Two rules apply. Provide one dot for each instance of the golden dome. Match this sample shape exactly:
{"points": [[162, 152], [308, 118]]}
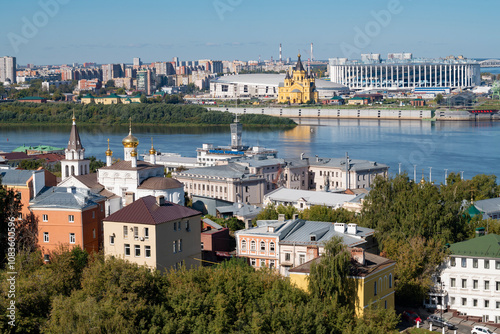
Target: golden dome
{"points": [[108, 151], [130, 140], [152, 150], [133, 153]]}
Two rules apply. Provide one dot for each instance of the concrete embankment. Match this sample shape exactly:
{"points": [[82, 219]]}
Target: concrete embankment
{"points": [[381, 114]]}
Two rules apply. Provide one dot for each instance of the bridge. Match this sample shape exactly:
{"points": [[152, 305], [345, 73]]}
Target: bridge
{"points": [[490, 63]]}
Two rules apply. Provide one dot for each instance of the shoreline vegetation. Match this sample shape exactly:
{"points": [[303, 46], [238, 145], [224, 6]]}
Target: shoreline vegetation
{"points": [[138, 114]]}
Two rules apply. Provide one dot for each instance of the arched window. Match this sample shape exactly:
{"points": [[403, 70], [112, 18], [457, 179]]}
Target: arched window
{"points": [[243, 244], [390, 280], [66, 171], [252, 245], [271, 246], [262, 246], [72, 170]]}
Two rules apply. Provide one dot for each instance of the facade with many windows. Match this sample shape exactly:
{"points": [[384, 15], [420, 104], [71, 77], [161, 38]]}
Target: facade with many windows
{"points": [[154, 233], [470, 278]]}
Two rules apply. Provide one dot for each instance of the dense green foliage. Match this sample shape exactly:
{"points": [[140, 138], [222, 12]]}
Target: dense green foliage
{"points": [[78, 294], [155, 113], [233, 223]]}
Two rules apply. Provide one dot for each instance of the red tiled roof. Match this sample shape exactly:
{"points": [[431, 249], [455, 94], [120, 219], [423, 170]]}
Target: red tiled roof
{"points": [[16, 156], [49, 157], [146, 211], [160, 182]]}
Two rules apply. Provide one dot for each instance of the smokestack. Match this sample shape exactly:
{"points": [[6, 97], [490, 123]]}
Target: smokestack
{"points": [[312, 52], [280, 52]]}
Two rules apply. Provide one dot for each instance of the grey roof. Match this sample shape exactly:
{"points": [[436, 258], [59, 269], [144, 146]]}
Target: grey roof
{"points": [[127, 165], [74, 142], [212, 223], [299, 231], [354, 165], [272, 80], [488, 205], [310, 196], [65, 198], [15, 177], [241, 210], [230, 170], [298, 66]]}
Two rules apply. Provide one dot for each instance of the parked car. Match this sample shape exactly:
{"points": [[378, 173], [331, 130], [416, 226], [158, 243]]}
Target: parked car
{"points": [[440, 322], [411, 317], [480, 330]]}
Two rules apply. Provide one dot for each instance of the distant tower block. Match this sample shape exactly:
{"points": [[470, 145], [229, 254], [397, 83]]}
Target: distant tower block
{"points": [[236, 130]]}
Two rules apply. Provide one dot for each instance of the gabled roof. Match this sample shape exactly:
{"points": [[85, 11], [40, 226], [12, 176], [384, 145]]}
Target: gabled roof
{"points": [[146, 211], [65, 198], [15, 177], [484, 246], [488, 205], [16, 156]]}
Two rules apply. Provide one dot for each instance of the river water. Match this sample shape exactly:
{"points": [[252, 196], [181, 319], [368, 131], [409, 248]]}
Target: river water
{"points": [[471, 147]]}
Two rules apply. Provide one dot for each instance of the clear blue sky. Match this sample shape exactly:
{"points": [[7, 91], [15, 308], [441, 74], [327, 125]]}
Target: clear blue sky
{"points": [[157, 30]]}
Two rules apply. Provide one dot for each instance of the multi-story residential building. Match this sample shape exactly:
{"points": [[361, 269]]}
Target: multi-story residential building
{"points": [[373, 276], [154, 233], [286, 244], [469, 281], [68, 216], [91, 84], [8, 70]]}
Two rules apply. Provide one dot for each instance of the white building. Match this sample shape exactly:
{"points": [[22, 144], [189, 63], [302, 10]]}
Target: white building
{"points": [[470, 278], [246, 86], [304, 199], [405, 73], [8, 69]]}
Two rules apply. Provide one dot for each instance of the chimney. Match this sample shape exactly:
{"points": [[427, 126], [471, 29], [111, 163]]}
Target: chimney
{"points": [[339, 227], [160, 200], [295, 216], [281, 217], [71, 190], [312, 252], [479, 232], [358, 255], [352, 228]]}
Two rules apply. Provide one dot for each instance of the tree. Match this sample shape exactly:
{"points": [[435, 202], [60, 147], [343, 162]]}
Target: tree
{"points": [[95, 164], [439, 98], [120, 91], [110, 83], [10, 206]]}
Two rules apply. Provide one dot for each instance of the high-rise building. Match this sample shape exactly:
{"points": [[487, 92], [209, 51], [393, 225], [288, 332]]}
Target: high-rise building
{"points": [[8, 69], [137, 62]]}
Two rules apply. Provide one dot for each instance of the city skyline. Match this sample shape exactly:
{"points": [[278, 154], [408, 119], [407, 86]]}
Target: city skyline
{"points": [[65, 31]]}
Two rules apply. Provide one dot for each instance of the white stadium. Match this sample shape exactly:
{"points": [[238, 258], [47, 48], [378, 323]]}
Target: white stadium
{"points": [[245, 86]]}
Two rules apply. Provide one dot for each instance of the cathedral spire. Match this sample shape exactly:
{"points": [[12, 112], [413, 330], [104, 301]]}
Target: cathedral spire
{"points": [[74, 142]]}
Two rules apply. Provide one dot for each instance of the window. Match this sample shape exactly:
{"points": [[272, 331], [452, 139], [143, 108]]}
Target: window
{"points": [[262, 246], [252, 262], [187, 226], [93, 233], [464, 284], [486, 303], [474, 263], [202, 245], [498, 304], [147, 251], [271, 263], [136, 233], [390, 280], [497, 264], [474, 302], [175, 226], [262, 263], [252, 245], [452, 282], [20, 216], [452, 300], [243, 245], [287, 256], [486, 264], [452, 262], [45, 218], [45, 236], [464, 301], [464, 262], [174, 246], [137, 249], [125, 232], [497, 286], [475, 284], [71, 218], [271, 246], [374, 288], [302, 258], [179, 244], [111, 240], [146, 233], [72, 238], [486, 285], [93, 214], [127, 250], [46, 258]]}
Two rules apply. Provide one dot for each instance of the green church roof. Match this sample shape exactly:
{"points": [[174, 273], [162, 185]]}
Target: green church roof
{"points": [[473, 211], [484, 246]]}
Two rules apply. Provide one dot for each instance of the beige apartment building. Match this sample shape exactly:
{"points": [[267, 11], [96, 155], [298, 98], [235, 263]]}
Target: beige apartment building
{"points": [[154, 233]]}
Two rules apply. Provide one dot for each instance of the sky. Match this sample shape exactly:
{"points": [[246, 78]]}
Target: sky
{"points": [[74, 31]]}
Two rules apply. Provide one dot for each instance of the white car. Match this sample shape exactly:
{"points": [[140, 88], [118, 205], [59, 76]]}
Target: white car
{"points": [[480, 330]]}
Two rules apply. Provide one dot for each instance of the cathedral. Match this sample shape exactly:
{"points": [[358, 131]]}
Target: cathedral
{"points": [[298, 87], [123, 181]]}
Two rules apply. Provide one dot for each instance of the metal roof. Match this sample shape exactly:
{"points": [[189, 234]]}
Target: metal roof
{"points": [[354, 165], [488, 205], [15, 177], [484, 246], [234, 171], [310, 196], [65, 198]]}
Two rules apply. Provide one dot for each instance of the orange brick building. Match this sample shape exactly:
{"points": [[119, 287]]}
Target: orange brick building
{"points": [[68, 216]]}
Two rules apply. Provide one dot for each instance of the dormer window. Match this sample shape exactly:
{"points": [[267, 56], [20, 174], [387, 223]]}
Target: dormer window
{"points": [[313, 238]]}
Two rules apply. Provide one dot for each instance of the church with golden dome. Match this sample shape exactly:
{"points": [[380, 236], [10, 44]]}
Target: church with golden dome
{"points": [[124, 181], [298, 87]]}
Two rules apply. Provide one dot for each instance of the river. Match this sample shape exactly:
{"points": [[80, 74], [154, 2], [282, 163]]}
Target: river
{"points": [[471, 147]]}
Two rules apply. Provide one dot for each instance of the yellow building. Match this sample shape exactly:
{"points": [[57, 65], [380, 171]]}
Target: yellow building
{"points": [[374, 276], [299, 87], [110, 99]]}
